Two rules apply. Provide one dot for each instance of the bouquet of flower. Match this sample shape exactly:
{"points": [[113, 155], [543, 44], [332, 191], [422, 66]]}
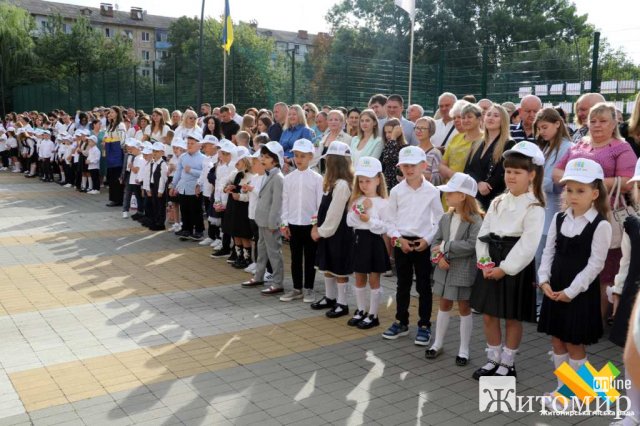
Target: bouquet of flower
{"points": [[485, 263]]}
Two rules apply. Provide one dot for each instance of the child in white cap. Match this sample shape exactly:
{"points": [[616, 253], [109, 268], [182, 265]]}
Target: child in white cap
{"points": [[415, 210], [301, 197], [210, 145], [574, 255], [368, 217], [625, 291], [220, 174], [178, 147], [332, 233], [453, 253], [133, 184], [506, 249], [158, 170], [93, 163]]}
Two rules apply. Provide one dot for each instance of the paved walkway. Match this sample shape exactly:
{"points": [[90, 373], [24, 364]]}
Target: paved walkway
{"points": [[105, 323]]}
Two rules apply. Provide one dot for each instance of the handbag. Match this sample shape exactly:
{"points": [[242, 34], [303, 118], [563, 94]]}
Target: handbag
{"points": [[619, 213]]}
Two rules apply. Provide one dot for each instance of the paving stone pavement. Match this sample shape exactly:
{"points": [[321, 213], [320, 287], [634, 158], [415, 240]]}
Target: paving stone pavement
{"points": [[105, 323]]}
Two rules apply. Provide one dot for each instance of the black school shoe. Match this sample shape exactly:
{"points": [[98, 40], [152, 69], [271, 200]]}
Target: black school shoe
{"points": [[369, 322], [357, 317], [338, 311], [323, 303], [220, 253], [233, 256], [510, 373], [481, 372], [461, 361], [156, 227]]}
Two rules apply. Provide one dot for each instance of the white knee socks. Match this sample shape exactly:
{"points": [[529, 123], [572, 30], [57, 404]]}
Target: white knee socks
{"points": [[342, 293], [577, 363], [374, 301], [493, 354], [466, 328], [507, 358], [361, 298], [330, 288], [557, 362], [442, 323]]}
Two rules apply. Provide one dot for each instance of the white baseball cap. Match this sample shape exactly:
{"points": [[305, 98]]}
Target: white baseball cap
{"points": [[368, 166], [11, 129], [276, 148], [178, 143], [582, 170], [158, 146], [528, 149], [194, 135], [147, 145], [147, 151], [133, 142], [303, 145], [255, 154], [460, 182], [227, 146], [636, 174], [411, 155], [242, 152], [210, 139], [338, 148]]}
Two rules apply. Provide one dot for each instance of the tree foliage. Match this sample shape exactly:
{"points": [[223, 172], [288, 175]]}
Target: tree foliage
{"points": [[16, 45]]}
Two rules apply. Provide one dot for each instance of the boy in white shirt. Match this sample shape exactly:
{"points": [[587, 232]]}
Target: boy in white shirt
{"points": [[301, 196], [158, 172], [93, 164], [414, 213], [143, 214], [210, 146], [46, 153], [133, 184]]}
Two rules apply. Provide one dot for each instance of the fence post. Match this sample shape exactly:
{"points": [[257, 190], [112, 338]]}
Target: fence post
{"points": [[293, 76], [175, 82], [118, 85], [595, 84], [485, 68], [79, 100], [153, 84], [104, 91], [135, 87]]}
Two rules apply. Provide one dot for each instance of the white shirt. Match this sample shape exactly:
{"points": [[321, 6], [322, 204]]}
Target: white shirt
{"points": [[621, 276], [93, 158], [339, 199], [442, 130], [173, 162], [513, 217], [46, 148], [572, 226], [414, 212], [12, 142], [207, 165], [378, 215], [456, 220], [182, 132], [223, 171], [164, 168], [143, 175], [301, 196], [138, 162], [157, 136], [238, 119], [256, 182]]}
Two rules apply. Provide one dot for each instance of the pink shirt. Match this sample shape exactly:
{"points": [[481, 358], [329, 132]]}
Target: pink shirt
{"points": [[616, 158]]}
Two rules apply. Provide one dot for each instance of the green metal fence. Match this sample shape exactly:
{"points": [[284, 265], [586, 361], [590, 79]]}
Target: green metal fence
{"points": [[556, 73]]}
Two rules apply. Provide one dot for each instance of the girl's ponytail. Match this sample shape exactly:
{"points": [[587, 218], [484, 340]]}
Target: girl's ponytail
{"points": [[538, 191]]}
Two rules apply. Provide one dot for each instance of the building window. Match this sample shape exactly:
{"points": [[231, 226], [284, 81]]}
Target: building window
{"points": [[107, 32], [146, 73], [145, 55], [162, 54], [128, 34], [145, 36], [161, 36]]}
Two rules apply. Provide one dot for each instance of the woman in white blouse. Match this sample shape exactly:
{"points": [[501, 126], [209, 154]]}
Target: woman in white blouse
{"points": [[158, 129], [335, 132], [188, 125]]}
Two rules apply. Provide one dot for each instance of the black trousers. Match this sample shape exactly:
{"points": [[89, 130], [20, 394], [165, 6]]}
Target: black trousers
{"points": [[47, 169], [78, 167], [5, 158], [69, 173], [191, 211], [302, 246], [406, 265], [95, 178], [159, 208], [116, 191]]}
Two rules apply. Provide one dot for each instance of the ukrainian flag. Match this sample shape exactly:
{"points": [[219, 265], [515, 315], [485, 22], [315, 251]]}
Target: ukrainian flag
{"points": [[227, 31]]}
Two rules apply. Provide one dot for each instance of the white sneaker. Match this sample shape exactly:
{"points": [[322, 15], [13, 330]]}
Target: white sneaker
{"points": [[291, 295], [251, 269], [68, 185], [309, 295], [176, 227], [15, 171], [207, 241], [125, 215], [268, 277], [93, 192]]}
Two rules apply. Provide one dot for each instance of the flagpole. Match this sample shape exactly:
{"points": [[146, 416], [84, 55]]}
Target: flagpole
{"points": [[224, 77], [411, 60]]}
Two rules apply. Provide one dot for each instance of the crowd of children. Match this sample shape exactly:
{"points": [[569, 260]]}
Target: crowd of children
{"points": [[342, 223]]}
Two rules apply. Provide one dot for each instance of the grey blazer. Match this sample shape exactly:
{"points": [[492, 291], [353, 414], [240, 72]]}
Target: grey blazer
{"points": [[460, 253], [269, 207]]}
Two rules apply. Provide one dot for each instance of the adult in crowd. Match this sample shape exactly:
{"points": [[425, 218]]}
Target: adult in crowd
{"points": [[211, 126], [234, 114], [310, 113], [394, 141], [529, 107], [335, 132], [366, 143], [321, 126], [425, 129], [484, 105], [280, 111], [469, 132], [605, 146], [394, 108], [158, 130], [510, 107], [205, 111], [630, 130], [485, 162], [353, 122], [414, 112], [377, 104], [176, 119], [582, 108], [295, 128], [113, 141], [445, 129], [228, 126], [187, 126], [132, 116], [264, 123]]}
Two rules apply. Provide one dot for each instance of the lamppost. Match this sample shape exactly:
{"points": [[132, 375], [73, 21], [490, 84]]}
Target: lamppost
{"points": [[293, 73]]}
